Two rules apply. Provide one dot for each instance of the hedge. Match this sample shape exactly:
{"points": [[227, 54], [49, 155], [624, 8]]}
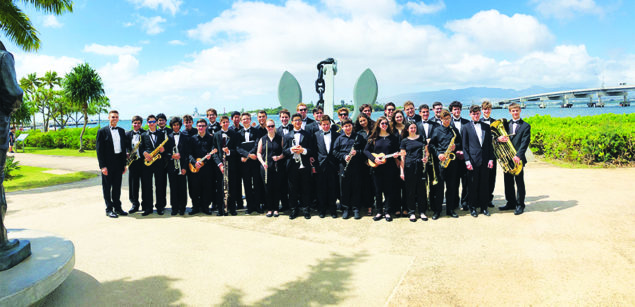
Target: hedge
{"points": [[64, 138]]}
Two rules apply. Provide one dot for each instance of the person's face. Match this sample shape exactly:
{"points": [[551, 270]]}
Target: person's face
{"points": [[446, 121], [389, 111], [211, 117], [161, 122], [410, 111], [475, 115], [201, 127], [348, 128], [297, 123], [437, 110], [136, 125], [284, 118], [363, 122], [224, 124], [383, 125], [425, 114], [188, 124], [367, 111], [271, 126], [176, 127], [343, 115], [326, 126], [302, 110], [236, 120], [152, 124], [246, 120], [262, 118], [515, 112], [412, 129], [318, 114], [456, 112], [399, 118], [113, 118], [487, 112]]}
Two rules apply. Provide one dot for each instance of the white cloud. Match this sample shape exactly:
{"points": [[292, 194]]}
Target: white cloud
{"points": [[50, 21], [111, 50], [491, 30], [26, 63], [363, 8], [152, 25], [176, 42], [564, 9], [171, 6], [423, 8]]}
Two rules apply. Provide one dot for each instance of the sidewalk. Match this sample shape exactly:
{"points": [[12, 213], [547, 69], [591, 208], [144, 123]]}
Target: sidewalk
{"points": [[573, 246]]}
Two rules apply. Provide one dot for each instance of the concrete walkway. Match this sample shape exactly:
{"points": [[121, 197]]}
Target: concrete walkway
{"points": [[574, 246]]}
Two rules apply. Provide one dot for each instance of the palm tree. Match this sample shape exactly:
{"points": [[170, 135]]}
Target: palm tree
{"points": [[47, 105], [29, 85], [83, 86], [17, 25]]}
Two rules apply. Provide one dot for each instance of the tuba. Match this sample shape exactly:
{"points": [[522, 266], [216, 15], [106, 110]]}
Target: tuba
{"points": [[504, 151]]}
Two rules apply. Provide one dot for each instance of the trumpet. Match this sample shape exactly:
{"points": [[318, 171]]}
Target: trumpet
{"points": [[296, 156], [155, 153], [449, 155], [177, 162], [134, 155]]}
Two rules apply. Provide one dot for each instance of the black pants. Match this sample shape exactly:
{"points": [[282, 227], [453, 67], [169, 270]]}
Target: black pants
{"points": [[284, 186], [299, 188], [465, 183], [135, 172], [492, 181], [415, 184], [400, 196], [200, 190], [235, 200], [156, 171], [351, 189], [511, 196], [250, 174], [326, 190], [217, 188], [478, 179], [368, 194], [449, 178], [272, 188], [178, 191], [384, 178], [111, 186]]}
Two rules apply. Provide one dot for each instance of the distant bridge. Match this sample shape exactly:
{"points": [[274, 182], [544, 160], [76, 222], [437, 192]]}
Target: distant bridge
{"points": [[592, 96]]}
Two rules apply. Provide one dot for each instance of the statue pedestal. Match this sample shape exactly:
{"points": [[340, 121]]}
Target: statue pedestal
{"points": [[18, 252], [50, 263]]}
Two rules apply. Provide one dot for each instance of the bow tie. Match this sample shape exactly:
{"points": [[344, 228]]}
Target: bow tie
{"points": [[175, 133], [285, 127], [327, 132], [515, 121], [136, 132], [296, 131], [476, 123], [113, 128], [457, 120], [153, 133]]}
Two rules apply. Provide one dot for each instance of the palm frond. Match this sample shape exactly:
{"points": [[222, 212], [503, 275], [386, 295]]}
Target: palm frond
{"points": [[18, 27]]}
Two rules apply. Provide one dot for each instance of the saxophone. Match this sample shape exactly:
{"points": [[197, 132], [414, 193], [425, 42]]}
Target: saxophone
{"points": [[155, 153], [134, 155], [449, 155]]}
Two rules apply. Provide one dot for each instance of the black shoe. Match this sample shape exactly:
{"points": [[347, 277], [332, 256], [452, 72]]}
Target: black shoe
{"points": [[111, 214], [473, 213], [307, 216], [357, 215], [452, 214], [424, 217], [146, 213], [207, 211], [121, 212], [133, 209], [377, 217], [293, 215], [485, 212], [160, 211], [413, 218], [233, 213], [182, 212], [507, 207], [490, 205], [334, 215], [269, 214], [322, 215], [435, 216], [194, 211], [519, 210], [174, 212], [346, 215], [388, 218], [276, 214], [220, 213]]}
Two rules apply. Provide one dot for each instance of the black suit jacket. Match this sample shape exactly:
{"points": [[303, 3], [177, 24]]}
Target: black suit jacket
{"points": [[148, 146], [432, 125], [232, 144], [184, 151], [473, 151], [463, 123], [254, 136], [106, 150], [281, 132], [326, 160], [306, 141], [521, 138]]}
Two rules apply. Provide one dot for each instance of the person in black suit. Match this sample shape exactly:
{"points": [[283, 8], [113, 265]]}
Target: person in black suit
{"points": [[235, 165], [314, 126], [225, 142], [486, 108], [262, 131], [326, 177], [458, 122], [213, 125], [409, 110], [250, 171], [479, 160], [437, 107], [235, 117], [201, 180], [389, 110], [188, 121], [348, 150], [298, 147], [151, 140], [179, 143], [438, 145], [285, 127], [135, 170], [426, 129], [111, 155], [302, 109], [520, 135], [270, 154]]}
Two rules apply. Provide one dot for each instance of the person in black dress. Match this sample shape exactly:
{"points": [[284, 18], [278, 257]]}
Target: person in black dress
{"points": [[398, 126], [412, 171], [270, 156], [363, 126], [382, 140]]}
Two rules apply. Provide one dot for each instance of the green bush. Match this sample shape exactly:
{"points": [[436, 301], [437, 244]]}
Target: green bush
{"points": [[65, 138], [10, 166], [606, 138]]}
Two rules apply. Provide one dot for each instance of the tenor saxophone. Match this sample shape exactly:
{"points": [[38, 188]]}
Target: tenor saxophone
{"points": [[155, 153]]}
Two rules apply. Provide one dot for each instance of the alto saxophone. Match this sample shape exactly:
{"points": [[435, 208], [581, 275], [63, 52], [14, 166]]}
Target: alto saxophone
{"points": [[449, 155], [155, 153], [134, 155]]}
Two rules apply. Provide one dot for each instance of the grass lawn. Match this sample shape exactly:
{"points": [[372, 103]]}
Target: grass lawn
{"points": [[60, 152], [29, 177]]}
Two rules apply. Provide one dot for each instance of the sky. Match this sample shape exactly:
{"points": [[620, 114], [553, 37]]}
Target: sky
{"points": [[171, 56]]}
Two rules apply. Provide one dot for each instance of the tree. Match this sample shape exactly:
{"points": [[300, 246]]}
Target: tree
{"points": [[49, 98], [83, 87], [17, 25], [29, 85]]}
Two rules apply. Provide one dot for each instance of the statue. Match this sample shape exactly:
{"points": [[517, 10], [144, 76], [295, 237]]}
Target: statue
{"points": [[12, 252]]}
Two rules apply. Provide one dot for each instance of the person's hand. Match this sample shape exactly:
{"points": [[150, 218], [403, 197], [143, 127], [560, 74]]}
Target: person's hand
{"points": [[183, 172], [402, 176], [243, 159], [222, 169], [311, 159], [516, 159], [252, 156], [353, 152], [199, 164], [503, 138], [490, 164], [469, 167], [453, 147], [442, 157], [177, 156], [104, 171], [162, 149], [226, 150]]}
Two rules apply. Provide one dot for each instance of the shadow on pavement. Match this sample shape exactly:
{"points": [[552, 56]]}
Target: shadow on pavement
{"points": [[81, 289], [326, 284]]}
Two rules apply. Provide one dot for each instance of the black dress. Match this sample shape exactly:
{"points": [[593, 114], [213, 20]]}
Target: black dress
{"points": [[270, 148], [414, 175], [385, 175]]}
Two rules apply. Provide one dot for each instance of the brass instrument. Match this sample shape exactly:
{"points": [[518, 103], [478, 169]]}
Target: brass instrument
{"points": [[449, 155], [177, 162], [134, 155], [155, 153], [426, 154], [297, 157], [504, 151]]}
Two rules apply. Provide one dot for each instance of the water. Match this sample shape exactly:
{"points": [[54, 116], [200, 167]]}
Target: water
{"points": [[580, 110]]}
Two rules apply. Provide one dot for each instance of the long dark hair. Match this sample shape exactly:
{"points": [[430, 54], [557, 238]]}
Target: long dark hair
{"points": [[376, 129], [358, 127], [405, 133]]}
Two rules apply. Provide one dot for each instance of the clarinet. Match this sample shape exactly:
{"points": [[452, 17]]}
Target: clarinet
{"points": [[351, 158], [225, 172]]}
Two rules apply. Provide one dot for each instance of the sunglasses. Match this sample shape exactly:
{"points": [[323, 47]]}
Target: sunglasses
{"points": [[383, 123], [152, 121], [271, 126], [390, 110], [343, 114], [302, 110]]}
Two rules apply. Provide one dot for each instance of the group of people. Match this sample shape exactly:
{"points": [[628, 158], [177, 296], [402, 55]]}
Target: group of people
{"points": [[397, 166]]}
